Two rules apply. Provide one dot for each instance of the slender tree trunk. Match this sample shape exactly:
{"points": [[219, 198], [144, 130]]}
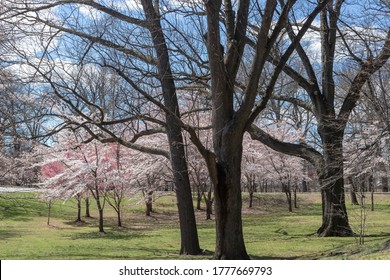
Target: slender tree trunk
{"points": [[209, 209], [372, 190], [209, 204], [198, 199], [149, 203], [352, 191], [100, 210], [250, 198], [304, 186], [295, 198], [78, 209], [87, 212], [335, 219], [101, 222], [148, 210], [287, 191], [384, 179], [119, 218], [49, 204]]}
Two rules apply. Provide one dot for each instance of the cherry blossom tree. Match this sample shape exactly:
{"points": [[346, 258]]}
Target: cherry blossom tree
{"points": [[150, 173], [73, 168], [260, 161], [253, 166]]}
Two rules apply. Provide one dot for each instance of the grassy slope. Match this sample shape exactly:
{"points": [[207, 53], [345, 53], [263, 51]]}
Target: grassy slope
{"points": [[270, 231]]}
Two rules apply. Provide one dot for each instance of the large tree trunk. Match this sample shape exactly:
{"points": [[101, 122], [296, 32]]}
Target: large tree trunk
{"points": [[335, 219], [188, 229], [228, 202]]}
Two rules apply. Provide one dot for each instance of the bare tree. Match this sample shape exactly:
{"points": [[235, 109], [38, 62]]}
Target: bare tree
{"points": [[331, 108]]}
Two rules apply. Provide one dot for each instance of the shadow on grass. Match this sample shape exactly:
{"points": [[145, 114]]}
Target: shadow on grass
{"points": [[254, 257], [108, 235], [382, 234], [7, 234]]}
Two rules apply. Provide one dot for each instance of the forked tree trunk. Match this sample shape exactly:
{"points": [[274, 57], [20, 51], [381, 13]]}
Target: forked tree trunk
{"points": [[334, 217]]}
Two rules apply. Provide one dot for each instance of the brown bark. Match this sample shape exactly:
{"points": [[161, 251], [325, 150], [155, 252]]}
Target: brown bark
{"points": [[228, 202], [78, 209], [100, 211], [295, 198], [335, 219], [352, 191], [250, 199], [87, 212], [119, 218], [287, 191], [209, 204], [385, 184], [188, 229]]}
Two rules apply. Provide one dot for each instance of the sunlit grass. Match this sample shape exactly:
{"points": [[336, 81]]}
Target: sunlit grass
{"points": [[271, 232]]}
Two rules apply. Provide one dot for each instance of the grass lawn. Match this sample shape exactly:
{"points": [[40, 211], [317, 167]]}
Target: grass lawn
{"points": [[270, 231]]}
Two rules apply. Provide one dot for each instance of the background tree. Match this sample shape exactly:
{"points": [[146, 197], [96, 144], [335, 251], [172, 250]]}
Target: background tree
{"points": [[330, 105]]}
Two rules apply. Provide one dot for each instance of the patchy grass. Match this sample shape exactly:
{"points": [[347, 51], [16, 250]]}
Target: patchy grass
{"points": [[270, 231]]}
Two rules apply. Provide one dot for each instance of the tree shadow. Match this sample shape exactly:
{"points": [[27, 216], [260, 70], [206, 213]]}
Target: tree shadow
{"points": [[381, 234], [8, 234], [109, 235], [257, 257]]}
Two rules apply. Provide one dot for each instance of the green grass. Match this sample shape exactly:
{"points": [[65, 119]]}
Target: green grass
{"points": [[270, 231]]}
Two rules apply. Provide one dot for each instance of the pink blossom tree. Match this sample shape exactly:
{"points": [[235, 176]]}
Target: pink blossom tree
{"points": [[73, 168], [150, 173]]}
